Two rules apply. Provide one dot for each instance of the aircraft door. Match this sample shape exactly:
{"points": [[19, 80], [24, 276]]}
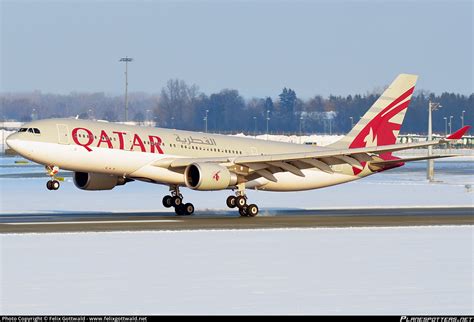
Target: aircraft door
{"points": [[63, 134]]}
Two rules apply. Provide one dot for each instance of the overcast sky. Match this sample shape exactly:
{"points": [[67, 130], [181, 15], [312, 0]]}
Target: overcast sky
{"points": [[257, 47]]}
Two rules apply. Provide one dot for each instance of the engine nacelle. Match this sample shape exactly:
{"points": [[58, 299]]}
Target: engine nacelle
{"points": [[97, 181], [208, 176]]}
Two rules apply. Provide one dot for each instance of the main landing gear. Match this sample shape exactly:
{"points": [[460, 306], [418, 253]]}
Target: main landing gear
{"points": [[176, 200], [240, 201], [52, 184]]}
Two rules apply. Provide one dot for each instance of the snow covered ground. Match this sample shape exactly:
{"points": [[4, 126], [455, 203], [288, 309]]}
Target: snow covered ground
{"points": [[422, 270], [417, 270]]}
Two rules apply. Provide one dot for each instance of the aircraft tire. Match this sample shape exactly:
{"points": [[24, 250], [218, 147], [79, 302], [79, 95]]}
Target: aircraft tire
{"points": [[243, 212], [55, 184], [179, 210], [231, 201], [176, 201], [188, 209], [252, 210], [240, 202], [167, 201]]}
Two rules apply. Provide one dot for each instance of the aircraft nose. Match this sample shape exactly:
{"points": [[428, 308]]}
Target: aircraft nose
{"points": [[11, 140]]}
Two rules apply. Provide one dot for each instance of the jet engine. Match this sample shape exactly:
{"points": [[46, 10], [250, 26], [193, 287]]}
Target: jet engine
{"points": [[208, 176], [97, 181]]}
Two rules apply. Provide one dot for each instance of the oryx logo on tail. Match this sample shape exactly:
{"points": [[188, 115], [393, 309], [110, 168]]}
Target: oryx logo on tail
{"points": [[381, 124], [381, 129]]}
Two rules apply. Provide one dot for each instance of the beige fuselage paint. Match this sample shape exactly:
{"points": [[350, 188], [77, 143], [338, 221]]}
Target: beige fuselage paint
{"points": [[131, 151]]}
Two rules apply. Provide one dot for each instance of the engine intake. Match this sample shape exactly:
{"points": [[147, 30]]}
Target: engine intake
{"points": [[97, 181], [208, 176]]}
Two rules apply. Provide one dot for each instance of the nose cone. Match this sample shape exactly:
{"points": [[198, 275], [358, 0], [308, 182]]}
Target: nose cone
{"points": [[17, 143], [21, 144], [11, 140]]}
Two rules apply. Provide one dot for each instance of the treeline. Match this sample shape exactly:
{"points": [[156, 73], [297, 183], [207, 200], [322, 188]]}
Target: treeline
{"points": [[183, 106]]}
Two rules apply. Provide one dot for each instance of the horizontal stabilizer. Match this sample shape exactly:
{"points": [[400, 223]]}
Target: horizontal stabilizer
{"points": [[459, 133], [396, 161]]}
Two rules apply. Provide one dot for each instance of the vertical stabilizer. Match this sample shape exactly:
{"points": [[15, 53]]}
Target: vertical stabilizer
{"points": [[381, 124]]}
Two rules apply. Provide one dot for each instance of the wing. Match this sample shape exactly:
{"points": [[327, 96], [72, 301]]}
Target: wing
{"points": [[255, 166]]}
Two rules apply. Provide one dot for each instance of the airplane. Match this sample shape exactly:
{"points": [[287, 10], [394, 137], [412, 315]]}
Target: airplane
{"points": [[104, 155]]}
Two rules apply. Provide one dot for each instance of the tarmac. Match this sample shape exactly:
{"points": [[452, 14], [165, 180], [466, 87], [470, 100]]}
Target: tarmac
{"points": [[225, 220]]}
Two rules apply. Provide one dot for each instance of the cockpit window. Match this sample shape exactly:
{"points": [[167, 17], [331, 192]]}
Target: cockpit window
{"points": [[30, 130]]}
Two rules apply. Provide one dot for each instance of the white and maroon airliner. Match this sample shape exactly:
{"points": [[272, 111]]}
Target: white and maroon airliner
{"points": [[104, 155]]}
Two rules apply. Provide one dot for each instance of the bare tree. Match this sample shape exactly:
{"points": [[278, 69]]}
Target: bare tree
{"points": [[175, 105]]}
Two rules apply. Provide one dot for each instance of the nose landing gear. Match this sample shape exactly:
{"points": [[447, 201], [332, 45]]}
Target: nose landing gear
{"points": [[52, 184], [176, 200], [240, 201]]}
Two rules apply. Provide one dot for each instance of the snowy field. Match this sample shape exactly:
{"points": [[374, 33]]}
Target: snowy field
{"points": [[409, 270], [422, 270]]}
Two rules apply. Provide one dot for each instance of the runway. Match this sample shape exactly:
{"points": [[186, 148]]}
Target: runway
{"points": [[221, 220]]}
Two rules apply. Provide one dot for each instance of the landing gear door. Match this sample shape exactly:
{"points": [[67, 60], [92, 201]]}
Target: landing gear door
{"points": [[63, 134]]}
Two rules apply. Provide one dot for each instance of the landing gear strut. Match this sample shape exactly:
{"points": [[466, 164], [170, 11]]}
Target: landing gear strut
{"points": [[240, 201], [176, 200], [52, 184]]}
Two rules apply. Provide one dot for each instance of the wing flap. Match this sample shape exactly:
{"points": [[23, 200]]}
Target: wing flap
{"points": [[267, 175], [288, 167], [318, 164], [352, 161]]}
